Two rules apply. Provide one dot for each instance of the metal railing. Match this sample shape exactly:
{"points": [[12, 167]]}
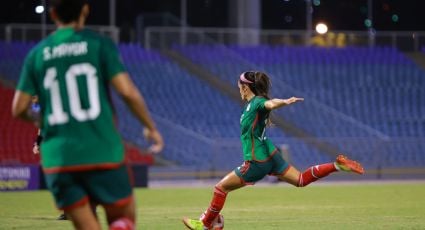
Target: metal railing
{"points": [[36, 32], [166, 37], [146, 20]]}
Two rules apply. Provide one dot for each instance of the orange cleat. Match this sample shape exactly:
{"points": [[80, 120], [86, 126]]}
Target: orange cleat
{"points": [[345, 164]]}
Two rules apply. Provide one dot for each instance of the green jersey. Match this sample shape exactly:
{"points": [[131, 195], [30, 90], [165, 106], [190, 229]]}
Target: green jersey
{"points": [[255, 144], [69, 71]]}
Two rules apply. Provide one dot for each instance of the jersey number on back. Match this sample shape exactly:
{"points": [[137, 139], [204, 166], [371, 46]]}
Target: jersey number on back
{"points": [[51, 83]]}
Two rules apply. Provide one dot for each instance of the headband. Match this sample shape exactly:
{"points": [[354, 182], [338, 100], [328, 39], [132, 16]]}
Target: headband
{"points": [[244, 80]]}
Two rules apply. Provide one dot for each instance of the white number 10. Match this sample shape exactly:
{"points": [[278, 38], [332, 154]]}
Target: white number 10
{"points": [[51, 83]]}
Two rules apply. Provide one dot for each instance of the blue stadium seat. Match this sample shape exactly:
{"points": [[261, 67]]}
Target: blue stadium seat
{"points": [[356, 92], [366, 101]]}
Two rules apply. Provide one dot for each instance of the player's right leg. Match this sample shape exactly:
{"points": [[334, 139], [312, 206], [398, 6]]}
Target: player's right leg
{"points": [[114, 191], [248, 173], [121, 217], [82, 218], [71, 197], [229, 183], [314, 173]]}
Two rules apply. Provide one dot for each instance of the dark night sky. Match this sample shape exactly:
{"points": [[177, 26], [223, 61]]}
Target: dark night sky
{"points": [[276, 14]]}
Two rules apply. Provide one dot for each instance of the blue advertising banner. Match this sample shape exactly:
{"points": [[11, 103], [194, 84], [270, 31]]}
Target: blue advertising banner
{"points": [[19, 177]]}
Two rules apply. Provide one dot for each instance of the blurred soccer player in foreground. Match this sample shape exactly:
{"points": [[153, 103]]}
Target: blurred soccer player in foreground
{"points": [[82, 152], [261, 157]]}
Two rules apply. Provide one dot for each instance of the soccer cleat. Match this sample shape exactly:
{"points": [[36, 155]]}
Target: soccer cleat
{"points": [[348, 165], [62, 217], [194, 224]]}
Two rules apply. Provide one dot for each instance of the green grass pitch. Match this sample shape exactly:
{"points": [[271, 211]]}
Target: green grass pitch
{"points": [[322, 206]]}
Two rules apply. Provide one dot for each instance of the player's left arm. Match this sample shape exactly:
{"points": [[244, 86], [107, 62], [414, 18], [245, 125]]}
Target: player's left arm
{"points": [[21, 104], [25, 89], [276, 103], [135, 101]]}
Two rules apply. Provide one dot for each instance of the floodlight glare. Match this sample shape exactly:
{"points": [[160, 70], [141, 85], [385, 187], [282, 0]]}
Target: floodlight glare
{"points": [[39, 9], [321, 28]]}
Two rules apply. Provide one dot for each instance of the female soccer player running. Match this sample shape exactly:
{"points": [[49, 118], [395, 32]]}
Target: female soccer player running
{"points": [[261, 157]]}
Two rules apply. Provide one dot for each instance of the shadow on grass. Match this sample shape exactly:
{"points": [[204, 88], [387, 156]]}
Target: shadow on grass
{"points": [[40, 218]]}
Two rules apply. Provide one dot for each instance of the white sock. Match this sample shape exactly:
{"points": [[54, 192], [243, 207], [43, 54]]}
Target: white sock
{"points": [[337, 166]]}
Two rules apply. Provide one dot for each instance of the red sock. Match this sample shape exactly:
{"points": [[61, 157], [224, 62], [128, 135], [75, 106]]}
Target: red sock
{"points": [[315, 172], [122, 224], [215, 207]]}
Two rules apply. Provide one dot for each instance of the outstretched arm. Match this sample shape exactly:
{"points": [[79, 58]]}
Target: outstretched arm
{"points": [[134, 100], [277, 103]]}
